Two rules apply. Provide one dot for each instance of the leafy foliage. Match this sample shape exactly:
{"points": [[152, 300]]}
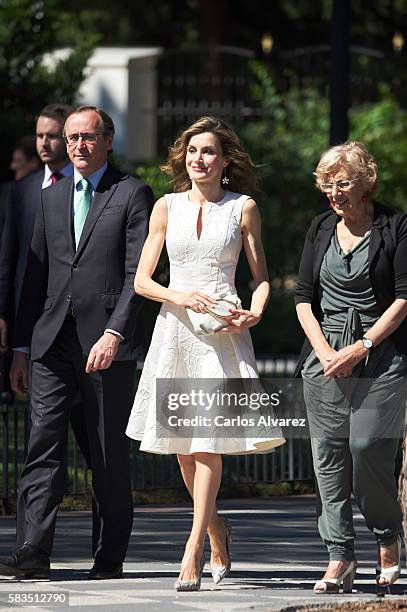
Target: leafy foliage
{"points": [[285, 141], [383, 129], [151, 174], [28, 31]]}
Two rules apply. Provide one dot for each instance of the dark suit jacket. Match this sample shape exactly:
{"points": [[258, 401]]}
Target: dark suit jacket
{"points": [[25, 201], [5, 196], [96, 280], [387, 265]]}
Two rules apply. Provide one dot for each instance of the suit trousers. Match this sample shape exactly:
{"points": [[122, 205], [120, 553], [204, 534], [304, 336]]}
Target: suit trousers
{"points": [[107, 399], [79, 429]]}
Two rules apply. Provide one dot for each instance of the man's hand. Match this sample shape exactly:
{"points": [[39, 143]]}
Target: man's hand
{"points": [[19, 372], [102, 353], [3, 335]]}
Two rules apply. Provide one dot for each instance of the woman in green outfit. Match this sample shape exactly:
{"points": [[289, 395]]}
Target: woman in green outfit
{"points": [[351, 301]]}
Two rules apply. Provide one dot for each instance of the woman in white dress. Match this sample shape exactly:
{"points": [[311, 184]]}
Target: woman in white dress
{"points": [[204, 227]]}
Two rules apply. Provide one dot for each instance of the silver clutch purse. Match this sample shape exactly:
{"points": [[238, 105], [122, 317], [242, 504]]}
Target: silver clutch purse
{"points": [[216, 317]]}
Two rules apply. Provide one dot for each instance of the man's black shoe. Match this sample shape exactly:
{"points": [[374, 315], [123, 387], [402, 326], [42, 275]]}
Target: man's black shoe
{"points": [[105, 571], [27, 562]]}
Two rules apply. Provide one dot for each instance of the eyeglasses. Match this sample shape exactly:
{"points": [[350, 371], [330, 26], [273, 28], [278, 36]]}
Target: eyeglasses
{"points": [[87, 137], [340, 185]]}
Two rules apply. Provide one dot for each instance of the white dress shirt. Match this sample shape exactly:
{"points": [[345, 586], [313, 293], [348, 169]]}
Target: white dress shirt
{"points": [[66, 171]]}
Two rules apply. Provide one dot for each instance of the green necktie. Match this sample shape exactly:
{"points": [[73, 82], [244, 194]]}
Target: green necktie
{"points": [[82, 209]]}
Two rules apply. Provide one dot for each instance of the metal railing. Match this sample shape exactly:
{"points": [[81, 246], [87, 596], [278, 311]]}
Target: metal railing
{"points": [[290, 462]]}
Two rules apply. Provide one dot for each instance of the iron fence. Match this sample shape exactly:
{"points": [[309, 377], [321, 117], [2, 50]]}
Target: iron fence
{"points": [[219, 80], [290, 462]]}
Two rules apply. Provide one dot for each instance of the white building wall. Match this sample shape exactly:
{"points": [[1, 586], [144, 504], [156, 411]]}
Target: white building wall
{"points": [[122, 81]]}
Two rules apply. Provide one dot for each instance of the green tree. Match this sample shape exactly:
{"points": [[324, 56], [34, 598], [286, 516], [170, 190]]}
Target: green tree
{"points": [[28, 31], [383, 128], [285, 141]]}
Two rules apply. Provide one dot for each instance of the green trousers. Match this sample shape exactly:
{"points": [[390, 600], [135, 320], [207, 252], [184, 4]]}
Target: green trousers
{"points": [[355, 427], [366, 466]]}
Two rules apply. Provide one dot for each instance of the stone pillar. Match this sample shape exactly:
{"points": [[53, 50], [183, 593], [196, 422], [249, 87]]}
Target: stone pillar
{"points": [[142, 108]]}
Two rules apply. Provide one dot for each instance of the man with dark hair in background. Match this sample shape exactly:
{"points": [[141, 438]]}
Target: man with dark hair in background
{"points": [[25, 159], [24, 203]]}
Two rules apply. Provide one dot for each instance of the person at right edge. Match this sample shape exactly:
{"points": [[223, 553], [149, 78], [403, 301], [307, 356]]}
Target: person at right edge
{"points": [[351, 301]]}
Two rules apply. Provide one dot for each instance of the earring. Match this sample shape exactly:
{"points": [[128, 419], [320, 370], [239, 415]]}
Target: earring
{"points": [[225, 180]]}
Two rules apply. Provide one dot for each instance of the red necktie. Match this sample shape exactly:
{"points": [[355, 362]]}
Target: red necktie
{"points": [[55, 177]]}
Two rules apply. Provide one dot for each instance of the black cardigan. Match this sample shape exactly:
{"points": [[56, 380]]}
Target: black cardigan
{"points": [[387, 265]]}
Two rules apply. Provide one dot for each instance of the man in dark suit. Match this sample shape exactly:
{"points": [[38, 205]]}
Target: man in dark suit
{"points": [[24, 161], [86, 244], [22, 209], [25, 201], [24, 158]]}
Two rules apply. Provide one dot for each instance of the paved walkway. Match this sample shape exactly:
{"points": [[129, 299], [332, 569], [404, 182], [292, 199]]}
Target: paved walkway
{"points": [[276, 554]]}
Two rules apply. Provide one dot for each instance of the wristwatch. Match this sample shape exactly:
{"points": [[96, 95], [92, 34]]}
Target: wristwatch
{"points": [[367, 343]]}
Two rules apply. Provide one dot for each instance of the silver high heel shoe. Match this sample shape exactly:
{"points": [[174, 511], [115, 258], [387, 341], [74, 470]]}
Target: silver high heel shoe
{"points": [[332, 585], [219, 572], [191, 585], [390, 574]]}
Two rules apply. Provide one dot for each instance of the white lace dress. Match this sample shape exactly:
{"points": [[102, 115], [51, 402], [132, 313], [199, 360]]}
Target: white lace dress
{"points": [[207, 264]]}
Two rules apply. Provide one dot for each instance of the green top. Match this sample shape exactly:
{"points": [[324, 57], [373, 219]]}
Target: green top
{"points": [[344, 284]]}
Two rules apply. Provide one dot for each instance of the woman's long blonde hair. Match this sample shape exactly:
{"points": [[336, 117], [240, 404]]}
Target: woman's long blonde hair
{"points": [[240, 170]]}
